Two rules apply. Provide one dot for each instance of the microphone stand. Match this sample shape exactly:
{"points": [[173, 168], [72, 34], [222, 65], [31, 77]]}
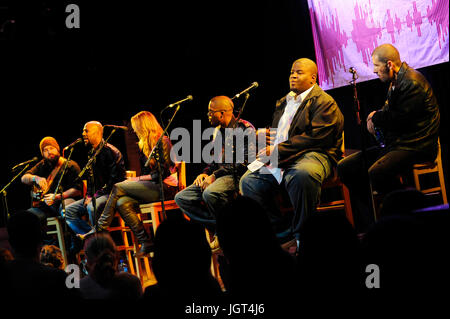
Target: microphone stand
{"points": [[4, 193], [59, 187], [363, 143], [156, 154], [235, 179], [91, 179]]}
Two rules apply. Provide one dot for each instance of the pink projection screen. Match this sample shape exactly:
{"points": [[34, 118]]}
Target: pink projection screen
{"points": [[346, 32]]}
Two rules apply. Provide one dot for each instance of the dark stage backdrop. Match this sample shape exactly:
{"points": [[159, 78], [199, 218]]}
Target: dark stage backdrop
{"points": [[144, 55]]}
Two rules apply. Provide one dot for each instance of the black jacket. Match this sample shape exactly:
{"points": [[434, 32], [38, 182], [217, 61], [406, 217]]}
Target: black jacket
{"points": [[109, 169], [409, 118], [167, 166], [220, 168], [317, 126]]}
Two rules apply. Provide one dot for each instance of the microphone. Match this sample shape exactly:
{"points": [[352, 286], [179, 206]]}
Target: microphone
{"points": [[254, 85], [116, 127], [77, 141], [352, 70], [188, 98], [34, 159]]}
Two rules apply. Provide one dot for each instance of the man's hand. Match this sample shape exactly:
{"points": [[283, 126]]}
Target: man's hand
{"points": [[199, 180], [48, 199], [265, 153], [42, 182], [208, 181], [266, 133], [370, 126], [87, 200]]}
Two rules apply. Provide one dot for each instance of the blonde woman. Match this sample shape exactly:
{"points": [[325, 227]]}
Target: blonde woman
{"points": [[125, 196]]}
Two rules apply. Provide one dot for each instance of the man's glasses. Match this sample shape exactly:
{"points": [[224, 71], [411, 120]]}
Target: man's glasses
{"points": [[210, 112]]}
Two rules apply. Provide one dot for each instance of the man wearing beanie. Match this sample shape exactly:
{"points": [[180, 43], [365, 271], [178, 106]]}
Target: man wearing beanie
{"points": [[44, 177]]}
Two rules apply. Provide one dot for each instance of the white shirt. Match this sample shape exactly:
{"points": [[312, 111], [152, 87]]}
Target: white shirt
{"points": [[292, 104]]}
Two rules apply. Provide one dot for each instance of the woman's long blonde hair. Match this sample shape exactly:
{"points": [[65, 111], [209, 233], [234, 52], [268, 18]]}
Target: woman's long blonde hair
{"points": [[147, 130]]}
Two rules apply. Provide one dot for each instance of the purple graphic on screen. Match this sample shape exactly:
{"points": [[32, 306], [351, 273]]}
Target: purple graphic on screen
{"points": [[417, 19], [331, 33], [363, 36], [346, 32], [438, 13]]}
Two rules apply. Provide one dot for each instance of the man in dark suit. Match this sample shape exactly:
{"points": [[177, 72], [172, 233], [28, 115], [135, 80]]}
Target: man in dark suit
{"points": [[307, 145]]}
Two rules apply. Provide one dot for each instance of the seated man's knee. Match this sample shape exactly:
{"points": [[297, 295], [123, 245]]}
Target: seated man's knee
{"points": [[243, 184], [300, 176], [249, 185], [207, 195], [178, 197], [377, 177]]}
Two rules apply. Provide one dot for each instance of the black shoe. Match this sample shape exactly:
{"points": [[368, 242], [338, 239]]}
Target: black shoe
{"points": [[146, 248]]}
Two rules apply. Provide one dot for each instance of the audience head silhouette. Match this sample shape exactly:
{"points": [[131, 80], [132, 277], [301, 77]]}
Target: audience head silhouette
{"points": [[257, 265], [182, 260], [25, 236], [101, 257], [402, 201]]}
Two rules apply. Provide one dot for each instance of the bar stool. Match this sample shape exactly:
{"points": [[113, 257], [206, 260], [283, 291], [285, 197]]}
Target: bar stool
{"points": [[428, 168], [57, 225]]}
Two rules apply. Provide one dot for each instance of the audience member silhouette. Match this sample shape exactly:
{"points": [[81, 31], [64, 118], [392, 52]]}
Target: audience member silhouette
{"points": [[103, 280], [402, 202], [51, 256], [181, 264], [257, 267], [329, 256], [408, 247], [5, 255], [25, 277]]}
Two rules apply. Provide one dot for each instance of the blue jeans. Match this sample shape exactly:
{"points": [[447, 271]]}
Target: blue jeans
{"points": [[43, 211], [302, 181], [77, 209], [203, 205]]}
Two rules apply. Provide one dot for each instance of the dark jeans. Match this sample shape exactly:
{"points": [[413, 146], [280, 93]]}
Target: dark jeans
{"points": [[127, 192], [76, 210], [203, 205], [303, 182], [43, 211], [385, 167]]}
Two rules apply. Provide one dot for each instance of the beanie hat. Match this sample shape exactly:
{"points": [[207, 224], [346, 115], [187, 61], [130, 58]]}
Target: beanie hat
{"points": [[48, 141]]}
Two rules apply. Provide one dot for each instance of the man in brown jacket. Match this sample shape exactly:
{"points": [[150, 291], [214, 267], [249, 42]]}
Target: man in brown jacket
{"points": [[307, 145]]}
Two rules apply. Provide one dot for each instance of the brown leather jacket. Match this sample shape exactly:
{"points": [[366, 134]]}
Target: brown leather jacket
{"points": [[410, 116], [317, 126]]}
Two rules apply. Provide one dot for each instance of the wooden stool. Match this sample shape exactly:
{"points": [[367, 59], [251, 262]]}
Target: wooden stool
{"points": [[125, 245], [340, 204], [434, 167], [59, 231]]}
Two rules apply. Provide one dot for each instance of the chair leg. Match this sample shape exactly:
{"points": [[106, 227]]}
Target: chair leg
{"points": [[62, 244], [126, 244], [347, 204], [442, 182]]}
